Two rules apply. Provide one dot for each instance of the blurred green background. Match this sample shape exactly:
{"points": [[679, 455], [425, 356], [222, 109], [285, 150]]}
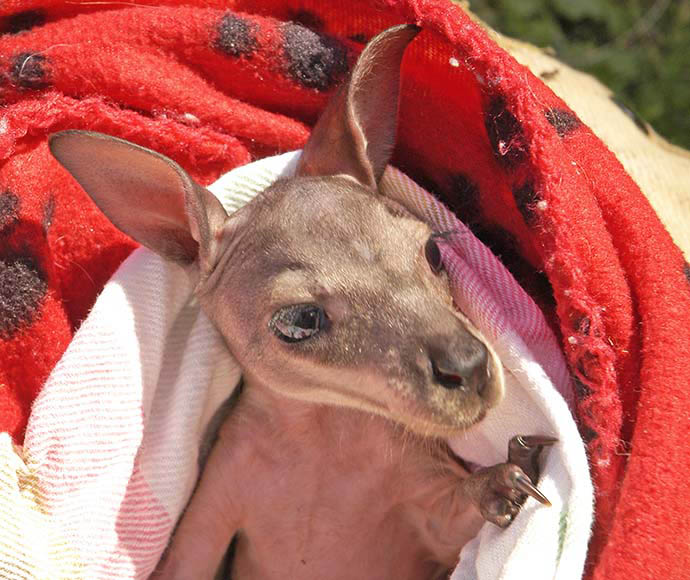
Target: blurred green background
{"points": [[638, 48]]}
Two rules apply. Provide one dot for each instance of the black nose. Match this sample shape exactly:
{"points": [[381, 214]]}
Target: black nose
{"points": [[467, 370]]}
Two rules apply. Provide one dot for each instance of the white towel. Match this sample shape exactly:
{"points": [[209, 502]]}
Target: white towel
{"points": [[110, 455]]}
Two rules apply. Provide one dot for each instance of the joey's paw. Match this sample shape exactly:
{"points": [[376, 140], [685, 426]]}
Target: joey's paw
{"points": [[524, 451], [501, 490]]}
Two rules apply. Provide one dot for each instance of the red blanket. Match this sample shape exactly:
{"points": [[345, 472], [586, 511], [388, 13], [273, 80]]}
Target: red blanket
{"points": [[214, 84]]}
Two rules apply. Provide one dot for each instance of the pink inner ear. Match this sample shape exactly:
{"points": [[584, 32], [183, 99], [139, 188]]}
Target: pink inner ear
{"points": [[356, 133], [140, 191]]}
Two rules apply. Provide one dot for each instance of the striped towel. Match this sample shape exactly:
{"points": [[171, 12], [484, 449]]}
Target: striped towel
{"points": [[110, 455]]}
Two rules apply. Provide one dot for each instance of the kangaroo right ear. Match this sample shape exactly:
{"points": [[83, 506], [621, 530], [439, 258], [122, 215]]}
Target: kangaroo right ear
{"points": [[355, 135], [144, 194]]}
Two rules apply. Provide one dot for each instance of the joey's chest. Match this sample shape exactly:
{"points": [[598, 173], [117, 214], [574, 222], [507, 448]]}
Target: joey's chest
{"points": [[338, 490], [321, 462]]}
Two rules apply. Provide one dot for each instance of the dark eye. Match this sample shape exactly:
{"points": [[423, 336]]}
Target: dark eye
{"points": [[298, 322], [433, 255]]}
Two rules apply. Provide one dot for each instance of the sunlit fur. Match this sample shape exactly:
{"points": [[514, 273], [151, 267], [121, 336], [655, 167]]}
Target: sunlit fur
{"points": [[365, 265]]}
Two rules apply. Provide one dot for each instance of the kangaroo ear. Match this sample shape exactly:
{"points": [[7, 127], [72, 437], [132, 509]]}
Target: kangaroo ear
{"points": [[146, 195], [356, 133]]}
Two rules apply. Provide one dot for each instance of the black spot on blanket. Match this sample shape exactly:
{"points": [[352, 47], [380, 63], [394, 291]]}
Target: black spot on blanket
{"points": [[9, 209], [463, 198], [526, 200], [588, 367], [504, 245], [581, 323], [21, 21], [500, 241], [588, 434], [22, 289], [686, 271], [582, 391], [236, 36], [505, 134], [308, 19], [360, 38], [313, 60], [562, 120], [29, 70]]}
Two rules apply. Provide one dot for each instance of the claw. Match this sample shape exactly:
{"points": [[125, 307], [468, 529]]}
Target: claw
{"points": [[525, 450], [535, 440], [524, 485]]}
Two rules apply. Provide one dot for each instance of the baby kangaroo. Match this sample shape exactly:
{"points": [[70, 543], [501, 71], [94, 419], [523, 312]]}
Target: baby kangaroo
{"points": [[356, 365]]}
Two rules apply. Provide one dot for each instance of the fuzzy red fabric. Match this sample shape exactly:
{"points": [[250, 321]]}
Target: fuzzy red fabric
{"points": [[214, 84]]}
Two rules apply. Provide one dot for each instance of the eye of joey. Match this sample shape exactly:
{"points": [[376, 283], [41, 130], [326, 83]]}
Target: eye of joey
{"points": [[433, 255], [298, 322]]}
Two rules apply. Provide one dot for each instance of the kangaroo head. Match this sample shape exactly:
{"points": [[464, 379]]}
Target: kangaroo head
{"points": [[323, 289]]}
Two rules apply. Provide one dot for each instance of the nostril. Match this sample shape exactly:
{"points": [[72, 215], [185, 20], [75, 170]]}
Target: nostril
{"points": [[446, 379], [469, 371]]}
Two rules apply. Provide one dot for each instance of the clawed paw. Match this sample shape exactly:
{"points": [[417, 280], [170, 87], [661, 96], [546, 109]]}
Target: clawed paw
{"points": [[500, 490]]}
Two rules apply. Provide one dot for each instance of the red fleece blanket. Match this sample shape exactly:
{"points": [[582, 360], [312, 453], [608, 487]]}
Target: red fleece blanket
{"points": [[214, 84]]}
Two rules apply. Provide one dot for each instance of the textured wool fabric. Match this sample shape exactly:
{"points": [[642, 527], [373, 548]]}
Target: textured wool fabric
{"points": [[214, 84], [148, 370], [659, 168]]}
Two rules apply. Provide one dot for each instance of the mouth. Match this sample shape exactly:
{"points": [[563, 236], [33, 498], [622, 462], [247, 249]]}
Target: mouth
{"points": [[412, 414], [436, 430], [343, 397], [431, 420]]}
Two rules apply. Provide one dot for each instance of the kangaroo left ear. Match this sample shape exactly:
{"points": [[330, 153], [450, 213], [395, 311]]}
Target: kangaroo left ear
{"points": [[146, 195], [355, 135]]}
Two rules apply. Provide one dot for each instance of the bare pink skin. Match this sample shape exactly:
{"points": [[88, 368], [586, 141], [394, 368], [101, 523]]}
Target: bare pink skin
{"points": [[316, 491]]}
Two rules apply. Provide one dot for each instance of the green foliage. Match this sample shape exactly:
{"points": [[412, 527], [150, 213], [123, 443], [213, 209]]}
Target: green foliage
{"points": [[639, 48]]}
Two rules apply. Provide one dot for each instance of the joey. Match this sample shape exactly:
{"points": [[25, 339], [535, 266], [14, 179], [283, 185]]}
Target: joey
{"points": [[356, 365]]}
